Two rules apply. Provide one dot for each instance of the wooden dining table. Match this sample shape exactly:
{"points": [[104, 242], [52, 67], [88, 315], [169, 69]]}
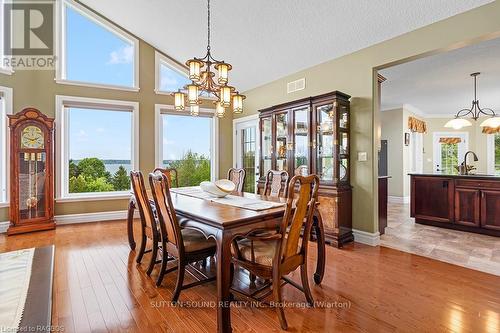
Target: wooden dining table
{"points": [[224, 223]]}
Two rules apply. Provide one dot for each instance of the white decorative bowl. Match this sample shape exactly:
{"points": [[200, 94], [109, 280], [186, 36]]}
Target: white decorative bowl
{"points": [[212, 189], [225, 185]]}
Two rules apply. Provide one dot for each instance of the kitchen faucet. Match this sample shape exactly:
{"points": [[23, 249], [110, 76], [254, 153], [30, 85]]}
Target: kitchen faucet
{"points": [[464, 170]]}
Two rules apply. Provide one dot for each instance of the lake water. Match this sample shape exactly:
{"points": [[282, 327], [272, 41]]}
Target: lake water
{"points": [[112, 168]]}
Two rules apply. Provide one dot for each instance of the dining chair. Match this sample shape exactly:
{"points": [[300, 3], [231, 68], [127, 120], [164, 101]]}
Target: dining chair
{"points": [[276, 183], [185, 245], [273, 256], [237, 176], [169, 172], [149, 226]]}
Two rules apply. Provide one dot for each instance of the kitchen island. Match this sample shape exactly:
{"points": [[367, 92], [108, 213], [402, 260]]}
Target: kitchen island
{"points": [[463, 202]]}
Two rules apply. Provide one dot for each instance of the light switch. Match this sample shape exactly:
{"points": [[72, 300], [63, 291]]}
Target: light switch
{"points": [[362, 156]]}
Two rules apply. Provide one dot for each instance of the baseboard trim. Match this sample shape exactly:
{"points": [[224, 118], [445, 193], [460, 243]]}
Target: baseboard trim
{"points": [[400, 200], [4, 226], [90, 217], [81, 218], [367, 238]]}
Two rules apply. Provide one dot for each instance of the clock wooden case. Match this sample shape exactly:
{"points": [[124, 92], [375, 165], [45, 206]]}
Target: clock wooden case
{"points": [[31, 172]]}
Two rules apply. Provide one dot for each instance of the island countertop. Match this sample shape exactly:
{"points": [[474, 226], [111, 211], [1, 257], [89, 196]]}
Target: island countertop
{"points": [[480, 176]]}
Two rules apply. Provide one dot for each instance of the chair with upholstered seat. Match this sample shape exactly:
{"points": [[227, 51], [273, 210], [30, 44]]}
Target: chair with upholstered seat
{"points": [[171, 174], [273, 256], [237, 176], [185, 245]]}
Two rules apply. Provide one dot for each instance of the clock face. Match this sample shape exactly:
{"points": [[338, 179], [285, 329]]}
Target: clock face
{"points": [[32, 138]]}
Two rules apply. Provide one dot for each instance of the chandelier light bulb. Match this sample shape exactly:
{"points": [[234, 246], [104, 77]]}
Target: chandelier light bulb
{"points": [[223, 70], [238, 103], [194, 110], [194, 69], [225, 96], [220, 111], [192, 94], [179, 101]]}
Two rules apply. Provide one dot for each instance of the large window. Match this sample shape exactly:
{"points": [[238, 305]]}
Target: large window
{"points": [[5, 109], [97, 147], [92, 51], [187, 144], [170, 76]]}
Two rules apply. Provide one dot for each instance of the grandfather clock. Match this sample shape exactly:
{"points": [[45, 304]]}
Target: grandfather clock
{"points": [[31, 172]]}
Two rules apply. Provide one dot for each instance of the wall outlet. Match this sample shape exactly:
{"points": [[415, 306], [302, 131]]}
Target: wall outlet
{"points": [[362, 156]]}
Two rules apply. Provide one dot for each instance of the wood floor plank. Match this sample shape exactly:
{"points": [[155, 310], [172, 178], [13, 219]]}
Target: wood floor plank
{"points": [[98, 287]]}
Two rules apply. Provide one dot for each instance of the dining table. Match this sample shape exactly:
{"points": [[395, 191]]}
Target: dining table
{"points": [[224, 223]]}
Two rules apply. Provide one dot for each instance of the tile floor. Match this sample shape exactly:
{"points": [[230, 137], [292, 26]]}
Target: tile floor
{"points": [[479, 252]]}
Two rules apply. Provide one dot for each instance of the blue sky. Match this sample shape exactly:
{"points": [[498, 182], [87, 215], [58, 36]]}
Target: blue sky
{"points": [[96, 55], [181, 133]]}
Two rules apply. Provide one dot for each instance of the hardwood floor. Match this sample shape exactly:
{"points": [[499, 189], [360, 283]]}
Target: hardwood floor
{"points": [[98, 287]]}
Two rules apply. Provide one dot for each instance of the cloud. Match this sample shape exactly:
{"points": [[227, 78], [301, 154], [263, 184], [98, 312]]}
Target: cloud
{"points": [[168, 142], [125, 55], [81, 136], [100, 130]]}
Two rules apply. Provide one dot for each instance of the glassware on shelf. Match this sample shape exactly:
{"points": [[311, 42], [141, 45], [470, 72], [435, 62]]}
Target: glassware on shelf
{"points": [[344, 143], [301, 137], [281, 141], [325, 141], [343, 116], [267, 146]]}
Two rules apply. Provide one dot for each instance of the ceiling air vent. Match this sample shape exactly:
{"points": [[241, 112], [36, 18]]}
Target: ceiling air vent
{"points": [[296, 85]]}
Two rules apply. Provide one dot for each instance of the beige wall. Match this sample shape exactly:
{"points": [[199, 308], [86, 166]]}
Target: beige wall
{"points": [[38, 89], [354, 75]]}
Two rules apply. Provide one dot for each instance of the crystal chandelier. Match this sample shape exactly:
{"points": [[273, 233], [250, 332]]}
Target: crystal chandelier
{"points": [[474, 112], [205, 82]]}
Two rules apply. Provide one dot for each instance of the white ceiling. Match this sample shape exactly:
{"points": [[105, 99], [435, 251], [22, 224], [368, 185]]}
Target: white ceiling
{"points": [[269, 39], [441, 85]]}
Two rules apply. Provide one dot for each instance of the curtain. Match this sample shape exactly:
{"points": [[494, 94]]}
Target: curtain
{"points": [[491, 130], [449, 141], [417, 125]]}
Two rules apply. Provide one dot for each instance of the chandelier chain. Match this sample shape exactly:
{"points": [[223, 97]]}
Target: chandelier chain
{"points": [[208, 24]]}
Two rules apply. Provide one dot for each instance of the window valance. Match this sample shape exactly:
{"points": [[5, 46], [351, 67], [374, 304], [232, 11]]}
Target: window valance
{"points": [[491, 130], [450, 141], [417, 125]]}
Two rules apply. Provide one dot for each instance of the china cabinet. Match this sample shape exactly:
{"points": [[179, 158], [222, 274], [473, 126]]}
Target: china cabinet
{"points": [[311, 135], [31, 165]]}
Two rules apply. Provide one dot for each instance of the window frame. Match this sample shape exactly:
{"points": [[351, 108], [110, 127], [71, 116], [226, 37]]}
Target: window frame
{"points": [[62, 146], [436, 148], [3, 69], [97, 19], [162, 109], [161, 59], [490, 153], [7, 97]]}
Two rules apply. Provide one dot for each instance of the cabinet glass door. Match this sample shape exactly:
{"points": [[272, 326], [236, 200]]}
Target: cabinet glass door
{"points": [[282, 141], [267, 145], [325, 160], [301, 139]]}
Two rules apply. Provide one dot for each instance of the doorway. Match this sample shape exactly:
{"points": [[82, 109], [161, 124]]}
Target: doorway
{"points": [[246, 149]]}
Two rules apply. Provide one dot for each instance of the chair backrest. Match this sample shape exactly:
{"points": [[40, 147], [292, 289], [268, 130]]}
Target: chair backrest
{"points": [[299, 212], [143, 204], [237, 176], [169, 172], [276, 184], [167, 218]]}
